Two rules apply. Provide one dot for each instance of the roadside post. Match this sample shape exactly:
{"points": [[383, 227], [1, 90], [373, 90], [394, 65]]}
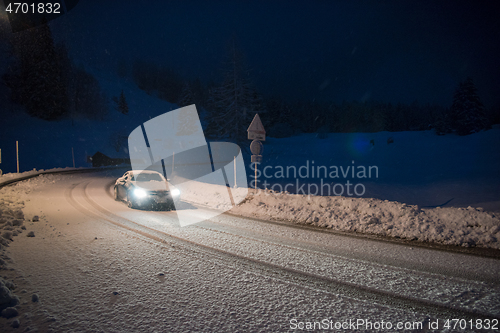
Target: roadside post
{"points": [[234, 164], [17, 155], [257, 133]]}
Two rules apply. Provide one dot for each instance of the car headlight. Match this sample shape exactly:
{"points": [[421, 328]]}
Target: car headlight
{"points": [[175, 192], [140, 193]]}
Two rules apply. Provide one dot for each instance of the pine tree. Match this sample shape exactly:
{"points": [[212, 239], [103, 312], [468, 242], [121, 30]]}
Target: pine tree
{"points": [[467, 114], [234, 103], [37, 79], [121, 103]]}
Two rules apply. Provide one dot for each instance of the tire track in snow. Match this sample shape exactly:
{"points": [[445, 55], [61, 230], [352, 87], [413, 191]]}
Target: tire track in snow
{"points": [[272, 270]]}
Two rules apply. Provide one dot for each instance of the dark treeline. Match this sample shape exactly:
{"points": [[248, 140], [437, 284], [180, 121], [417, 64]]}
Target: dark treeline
{"points": [[229, 106], [353, 116], [42, 78], [465, 116]]}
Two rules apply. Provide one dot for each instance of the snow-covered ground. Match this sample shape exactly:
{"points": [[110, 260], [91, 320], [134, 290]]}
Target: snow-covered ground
{"points": [[80, 274], [447, 225], [12, 176], [86, 274]]}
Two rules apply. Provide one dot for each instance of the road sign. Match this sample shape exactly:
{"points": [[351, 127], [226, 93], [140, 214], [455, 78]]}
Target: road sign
{"points": [[256, 147], [256, 130], [256, 159]]}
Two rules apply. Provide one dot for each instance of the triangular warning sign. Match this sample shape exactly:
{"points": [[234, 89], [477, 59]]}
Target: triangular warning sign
{"points": [[256, 125]]}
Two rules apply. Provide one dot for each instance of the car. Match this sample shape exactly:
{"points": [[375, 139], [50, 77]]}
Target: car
{"points": [[146, 188]]}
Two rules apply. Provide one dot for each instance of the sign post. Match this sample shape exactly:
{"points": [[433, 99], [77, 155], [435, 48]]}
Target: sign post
{"points": [[257, 133]]}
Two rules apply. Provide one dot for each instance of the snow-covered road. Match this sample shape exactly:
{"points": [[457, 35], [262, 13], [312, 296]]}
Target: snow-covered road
{"points": [[99, 266]]}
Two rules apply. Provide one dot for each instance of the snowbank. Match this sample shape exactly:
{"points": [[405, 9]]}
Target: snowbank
{"points": [[4, 178], [210, 195], [453, 226], [12, 177]]}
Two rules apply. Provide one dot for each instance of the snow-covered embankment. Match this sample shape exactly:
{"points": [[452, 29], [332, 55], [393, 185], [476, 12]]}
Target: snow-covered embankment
{"points": [[451, 226]]}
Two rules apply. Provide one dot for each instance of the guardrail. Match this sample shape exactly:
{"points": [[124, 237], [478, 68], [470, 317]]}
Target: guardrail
{"points": [[62, 171]]}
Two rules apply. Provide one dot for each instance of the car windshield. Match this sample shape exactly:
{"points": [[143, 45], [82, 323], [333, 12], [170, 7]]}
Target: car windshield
{"points": [[146, 177]]}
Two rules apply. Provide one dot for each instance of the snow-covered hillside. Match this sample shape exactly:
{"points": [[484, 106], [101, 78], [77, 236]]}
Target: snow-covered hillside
{"points": [[45, 145]]}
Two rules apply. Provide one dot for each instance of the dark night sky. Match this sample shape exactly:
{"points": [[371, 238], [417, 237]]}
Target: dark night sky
{"points": [[386, 50]]}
